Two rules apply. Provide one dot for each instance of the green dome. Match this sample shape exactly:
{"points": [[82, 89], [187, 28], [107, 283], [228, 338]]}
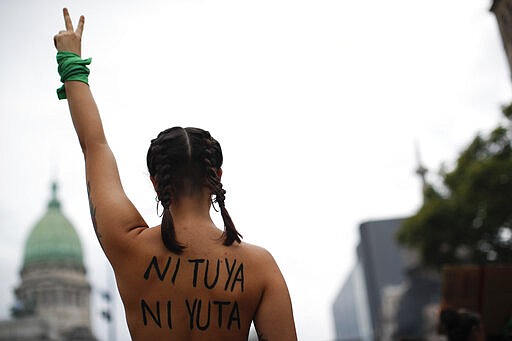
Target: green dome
{"points": [[53, 238]]}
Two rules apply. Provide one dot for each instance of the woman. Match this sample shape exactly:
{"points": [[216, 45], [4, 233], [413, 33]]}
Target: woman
{"points": [[185, 279]]}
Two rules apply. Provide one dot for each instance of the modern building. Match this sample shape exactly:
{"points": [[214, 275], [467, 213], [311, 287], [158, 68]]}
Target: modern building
{"points": [[53, 298], [351, 312], [387, 294], [383, 262], [380, 264]]}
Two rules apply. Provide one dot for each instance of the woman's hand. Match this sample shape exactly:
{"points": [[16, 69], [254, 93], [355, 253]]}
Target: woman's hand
{"points": [[70, 40]]}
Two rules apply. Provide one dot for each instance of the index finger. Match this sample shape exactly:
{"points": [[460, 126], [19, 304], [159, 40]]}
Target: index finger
{"points": [[67, 20], [80, 26]]}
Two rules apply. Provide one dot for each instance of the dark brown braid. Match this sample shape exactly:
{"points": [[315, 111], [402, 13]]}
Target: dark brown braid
{"points": [[183, 161], [213, 162], [165, 154]]}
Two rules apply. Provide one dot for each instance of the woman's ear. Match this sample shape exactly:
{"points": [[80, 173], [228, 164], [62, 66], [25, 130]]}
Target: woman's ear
{"points": [[219, 173], [153, 181]]}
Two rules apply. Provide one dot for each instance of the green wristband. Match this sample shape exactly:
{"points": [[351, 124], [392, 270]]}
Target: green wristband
{"points": [[71, 68]]}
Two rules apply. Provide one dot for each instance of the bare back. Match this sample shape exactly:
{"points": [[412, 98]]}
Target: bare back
{"points": [[210, 292]]}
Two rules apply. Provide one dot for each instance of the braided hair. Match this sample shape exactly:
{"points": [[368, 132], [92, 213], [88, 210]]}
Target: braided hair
{"points": [[182, 161]]}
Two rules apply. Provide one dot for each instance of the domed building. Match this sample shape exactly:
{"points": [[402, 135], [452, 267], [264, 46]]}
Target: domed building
{"points": [[53, 299]]}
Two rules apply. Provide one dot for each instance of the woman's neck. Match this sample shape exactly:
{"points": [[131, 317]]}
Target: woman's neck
{"points": [[192, 213]]}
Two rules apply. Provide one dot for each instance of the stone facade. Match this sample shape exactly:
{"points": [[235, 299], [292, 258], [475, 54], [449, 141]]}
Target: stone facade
{"points": [[503, 11], [53, 298], [61, 294]]}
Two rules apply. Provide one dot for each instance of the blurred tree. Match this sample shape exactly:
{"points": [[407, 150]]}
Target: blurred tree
{"points": [[468, 218]]}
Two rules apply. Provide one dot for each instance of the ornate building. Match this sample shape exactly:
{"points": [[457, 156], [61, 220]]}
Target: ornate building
{"points": [[503, 11], [53, 299]]}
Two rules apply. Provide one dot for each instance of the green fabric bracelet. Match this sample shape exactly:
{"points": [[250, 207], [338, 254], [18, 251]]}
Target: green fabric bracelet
{"points": [[71, 68]]}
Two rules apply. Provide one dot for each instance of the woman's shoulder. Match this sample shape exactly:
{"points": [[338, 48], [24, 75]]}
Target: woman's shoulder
{"points": [[255, 255], [252, 250]]}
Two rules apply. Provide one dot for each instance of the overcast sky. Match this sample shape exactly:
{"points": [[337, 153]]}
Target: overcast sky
{"points": [[316, 103]]}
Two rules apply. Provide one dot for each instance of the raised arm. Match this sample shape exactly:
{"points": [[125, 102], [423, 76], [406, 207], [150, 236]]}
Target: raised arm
{"points": [[114, 217]]}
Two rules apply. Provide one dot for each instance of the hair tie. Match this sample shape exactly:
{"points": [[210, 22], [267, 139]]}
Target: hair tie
{"points": [[71, 68]]}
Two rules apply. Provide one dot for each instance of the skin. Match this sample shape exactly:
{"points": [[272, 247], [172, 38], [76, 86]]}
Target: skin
{"points": [[131, 246]]}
